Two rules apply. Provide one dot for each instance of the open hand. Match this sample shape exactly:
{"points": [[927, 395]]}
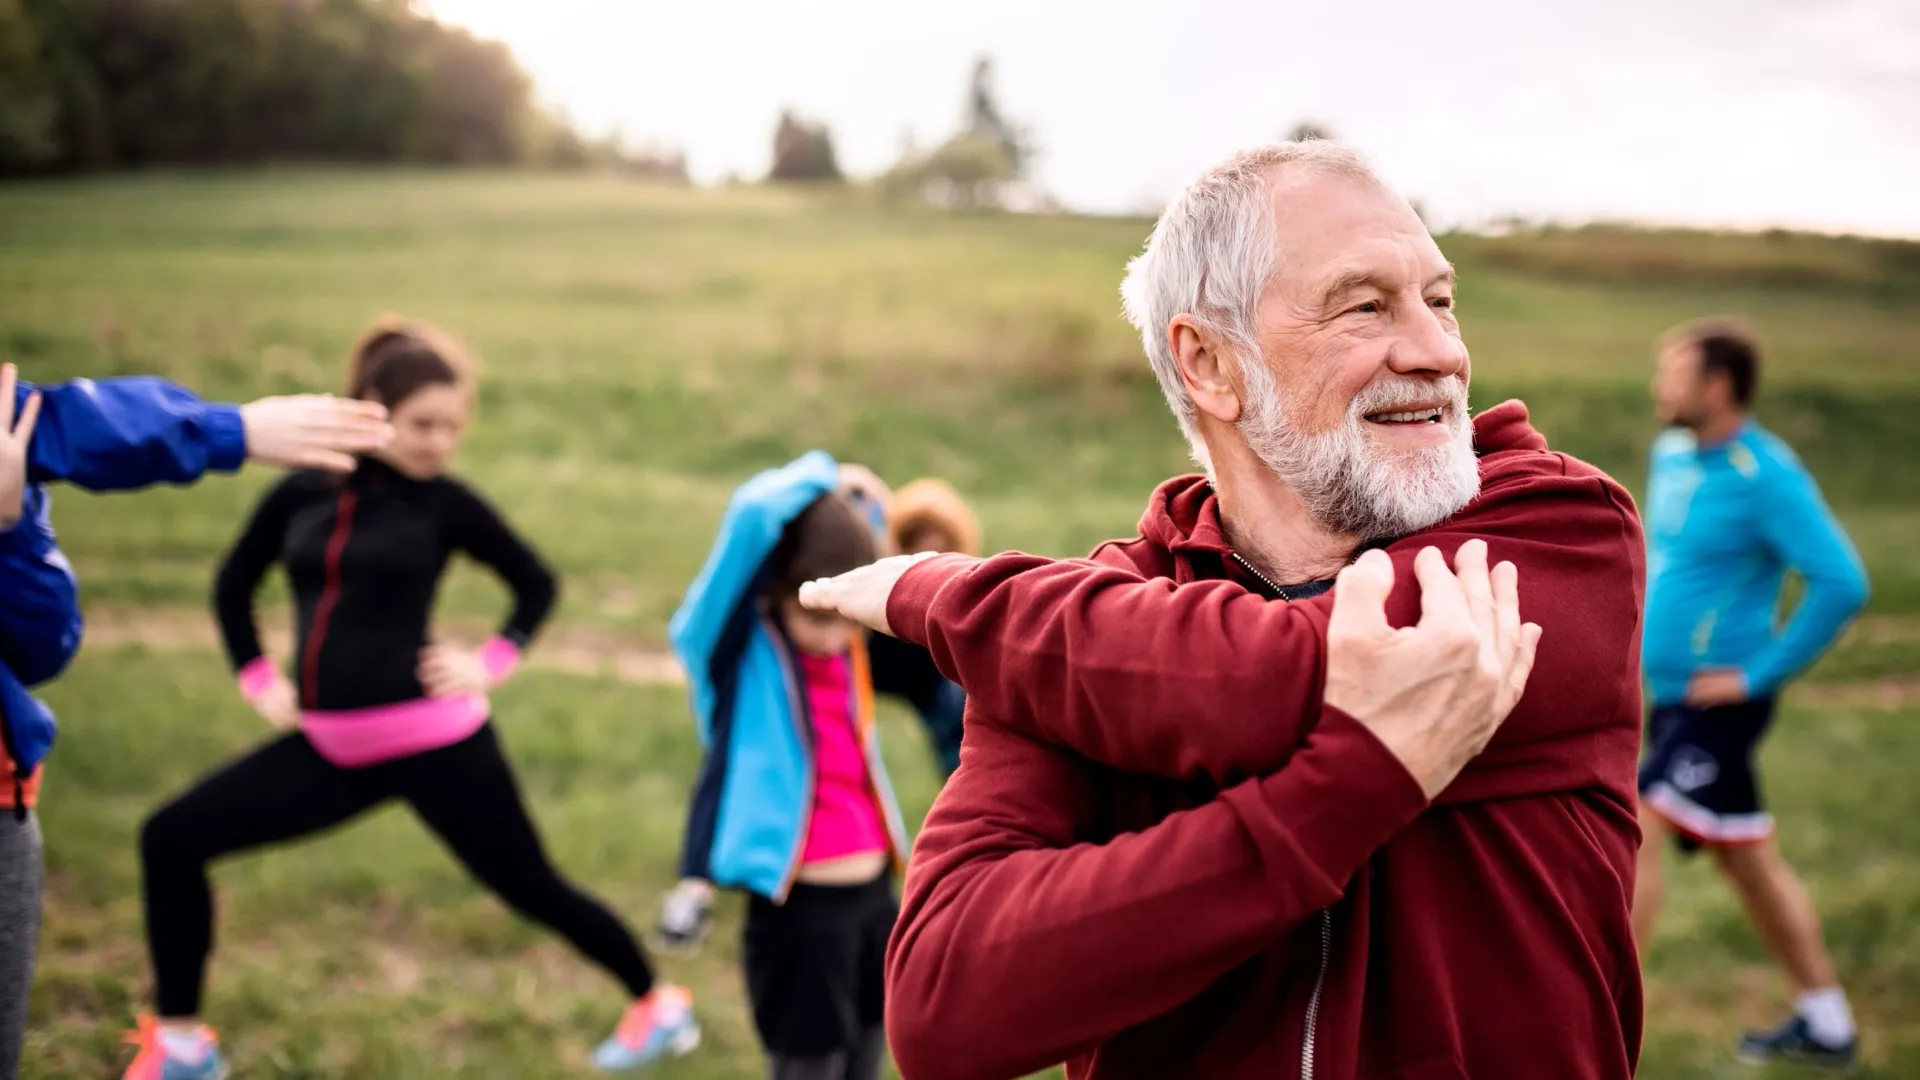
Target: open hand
{"points": [[16, 438], [314, 431], [861, 595]]}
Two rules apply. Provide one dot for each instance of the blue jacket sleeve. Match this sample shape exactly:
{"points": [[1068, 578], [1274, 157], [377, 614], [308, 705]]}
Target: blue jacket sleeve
{"points": [[756, 516], [1797, 524], [116, 434], [39, 602], [30, 725]]}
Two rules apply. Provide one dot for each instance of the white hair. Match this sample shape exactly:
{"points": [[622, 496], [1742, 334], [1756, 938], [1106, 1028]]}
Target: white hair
{"points": [[1212, 255]]}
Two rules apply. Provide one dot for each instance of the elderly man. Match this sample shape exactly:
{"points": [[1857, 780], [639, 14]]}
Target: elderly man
{"points": [[1169, 850]]}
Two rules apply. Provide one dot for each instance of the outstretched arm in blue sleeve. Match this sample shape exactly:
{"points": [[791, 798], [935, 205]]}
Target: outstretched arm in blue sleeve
{"points": [[116, 434]]}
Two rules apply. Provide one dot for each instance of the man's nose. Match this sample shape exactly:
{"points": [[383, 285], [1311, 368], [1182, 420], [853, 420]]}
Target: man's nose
{"points": [[1427, 346]]}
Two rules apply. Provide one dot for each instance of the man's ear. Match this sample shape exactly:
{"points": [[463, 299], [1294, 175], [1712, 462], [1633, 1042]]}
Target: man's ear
{"points": [[1206, 367]]}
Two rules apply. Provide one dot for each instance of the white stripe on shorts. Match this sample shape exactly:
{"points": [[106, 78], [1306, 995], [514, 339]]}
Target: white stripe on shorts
{"points": [[1704, 823]]}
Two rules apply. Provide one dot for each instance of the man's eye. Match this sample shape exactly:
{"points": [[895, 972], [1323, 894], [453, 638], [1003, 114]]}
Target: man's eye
{"points": [[1371, 307], [1442, 302]]}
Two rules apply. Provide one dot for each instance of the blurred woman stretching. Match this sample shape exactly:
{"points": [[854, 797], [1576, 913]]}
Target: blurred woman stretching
{"points": [[372, 711]]}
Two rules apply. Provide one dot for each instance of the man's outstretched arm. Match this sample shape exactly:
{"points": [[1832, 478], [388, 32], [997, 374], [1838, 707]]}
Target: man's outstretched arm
{"points": [[1208, 679]]}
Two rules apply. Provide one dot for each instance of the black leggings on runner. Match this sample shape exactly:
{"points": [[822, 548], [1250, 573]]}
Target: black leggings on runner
{"points": [[464, 792]]}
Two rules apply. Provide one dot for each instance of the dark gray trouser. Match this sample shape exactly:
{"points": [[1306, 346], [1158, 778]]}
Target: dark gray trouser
{"points": [[863, 1063], [21, 879]]}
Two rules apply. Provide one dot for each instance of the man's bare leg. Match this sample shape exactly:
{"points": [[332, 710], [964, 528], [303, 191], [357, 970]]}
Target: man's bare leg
{"points": [[1781, 911], [1783, 915], [1649, 881]]}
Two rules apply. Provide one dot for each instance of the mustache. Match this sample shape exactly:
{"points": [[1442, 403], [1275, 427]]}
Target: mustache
{"points": [[1386, 395]]}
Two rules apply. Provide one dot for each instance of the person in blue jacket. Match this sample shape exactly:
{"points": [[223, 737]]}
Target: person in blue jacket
{"points": [[793, 805], [105, 435], [1729, 511]]}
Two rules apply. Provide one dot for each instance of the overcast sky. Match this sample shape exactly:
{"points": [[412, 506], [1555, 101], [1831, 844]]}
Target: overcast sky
{"points": [[1744, 112]]}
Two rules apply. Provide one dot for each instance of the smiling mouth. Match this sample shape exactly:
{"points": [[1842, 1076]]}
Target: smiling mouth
{"points": [[1431, 414]]}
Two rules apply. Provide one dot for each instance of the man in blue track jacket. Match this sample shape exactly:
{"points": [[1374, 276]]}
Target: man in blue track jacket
{"points": [[1729, 511]]}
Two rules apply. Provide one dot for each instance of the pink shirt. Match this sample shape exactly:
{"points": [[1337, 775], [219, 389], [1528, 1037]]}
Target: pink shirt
{"points": [[846, 816]]}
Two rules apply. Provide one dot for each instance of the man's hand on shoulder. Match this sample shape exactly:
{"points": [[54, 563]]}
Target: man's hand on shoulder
{"points": [[1433, 693]]}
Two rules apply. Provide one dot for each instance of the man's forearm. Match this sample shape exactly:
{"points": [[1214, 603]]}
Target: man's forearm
{"points": [[1200, 680]]}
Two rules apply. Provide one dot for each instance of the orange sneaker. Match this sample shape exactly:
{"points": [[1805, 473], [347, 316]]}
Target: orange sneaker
{"points": [[157, 1061], [657, 1026]]}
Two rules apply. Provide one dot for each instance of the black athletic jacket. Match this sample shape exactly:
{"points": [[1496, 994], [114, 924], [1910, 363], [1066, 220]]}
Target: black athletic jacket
{"points": [[364, 556]]}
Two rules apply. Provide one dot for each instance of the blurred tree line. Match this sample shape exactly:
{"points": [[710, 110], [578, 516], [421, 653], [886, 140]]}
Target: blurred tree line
{"points": [[104, 84], [980, 165]]}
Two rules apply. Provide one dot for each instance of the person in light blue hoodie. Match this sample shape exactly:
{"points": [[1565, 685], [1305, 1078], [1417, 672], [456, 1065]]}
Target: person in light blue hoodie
{"points": [[1730, 510], [106, 435], [792, 805]]}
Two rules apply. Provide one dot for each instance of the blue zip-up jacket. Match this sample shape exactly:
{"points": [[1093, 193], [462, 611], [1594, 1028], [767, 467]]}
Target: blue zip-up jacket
{"points": [[747, 826], [110, 435], [1724, 525]]}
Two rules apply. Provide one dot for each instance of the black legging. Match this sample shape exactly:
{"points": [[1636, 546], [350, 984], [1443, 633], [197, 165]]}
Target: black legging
{"points": [[464, 792]]}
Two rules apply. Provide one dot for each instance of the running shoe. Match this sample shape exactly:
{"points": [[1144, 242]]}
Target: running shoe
{"points": [[660, 1025], [1793, 1041], [155, 1063]]}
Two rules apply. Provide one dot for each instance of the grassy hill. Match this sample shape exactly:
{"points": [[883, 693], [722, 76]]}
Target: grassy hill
{"points": [[644, 349]]}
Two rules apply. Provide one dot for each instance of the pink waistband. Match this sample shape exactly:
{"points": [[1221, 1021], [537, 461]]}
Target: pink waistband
{"points": [[355, 738]]}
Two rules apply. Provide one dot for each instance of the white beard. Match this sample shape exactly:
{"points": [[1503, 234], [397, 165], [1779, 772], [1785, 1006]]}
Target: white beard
{"points": [[1352, 487]]}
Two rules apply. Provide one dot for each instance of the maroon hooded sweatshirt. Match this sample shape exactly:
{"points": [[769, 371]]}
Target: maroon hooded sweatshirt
{"points": [[1162, 856]]}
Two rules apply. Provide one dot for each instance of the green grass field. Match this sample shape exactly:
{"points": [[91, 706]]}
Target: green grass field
{"points": [[645, 349]]}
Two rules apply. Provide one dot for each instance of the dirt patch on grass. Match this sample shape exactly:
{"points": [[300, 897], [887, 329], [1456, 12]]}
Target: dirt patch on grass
{"points": [[1901, 693]]}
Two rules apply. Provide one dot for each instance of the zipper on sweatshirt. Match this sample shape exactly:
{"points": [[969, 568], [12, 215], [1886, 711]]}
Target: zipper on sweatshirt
{"points": [[329, 596], [1310, 1034], [1255, 571], [1310, 1031]]}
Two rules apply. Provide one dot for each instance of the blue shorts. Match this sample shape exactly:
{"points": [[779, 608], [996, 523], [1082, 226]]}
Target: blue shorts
{"points": [[1698, 772]]}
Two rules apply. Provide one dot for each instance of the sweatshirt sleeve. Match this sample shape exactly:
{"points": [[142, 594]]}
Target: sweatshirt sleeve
{"points": [[30, 731], [480, 531], [40, 621], [259, 546], [1210, 680], [1003, 961], [1199, 680], [118, 434], [1796, 523]]}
